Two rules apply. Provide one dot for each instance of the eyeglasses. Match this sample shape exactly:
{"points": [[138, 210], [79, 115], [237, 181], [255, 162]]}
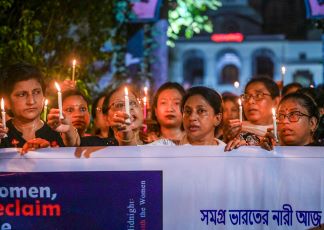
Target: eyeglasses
{"points": [[200, 112], [120, 105], [256, 97], [292, 116]]}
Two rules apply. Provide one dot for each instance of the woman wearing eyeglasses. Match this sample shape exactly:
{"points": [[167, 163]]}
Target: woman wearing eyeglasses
{"points": [[260, 96], [202, 114], [126, 127], [297, 118]]}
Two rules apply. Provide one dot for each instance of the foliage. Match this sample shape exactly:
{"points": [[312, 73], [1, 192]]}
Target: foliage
{"points": [[50, 34], [188, 16]]}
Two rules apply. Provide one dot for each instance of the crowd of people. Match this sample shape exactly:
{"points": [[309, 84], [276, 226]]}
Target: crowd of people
{"points": [[197, 116]]}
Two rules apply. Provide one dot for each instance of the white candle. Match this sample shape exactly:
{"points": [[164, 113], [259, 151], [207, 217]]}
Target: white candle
{"points": [[59, 99], [3, 114], [145, 90], [73, 69], [45, 110], [240, 109], [144, 108], [127, 110], [274, 124], [283, 72]]}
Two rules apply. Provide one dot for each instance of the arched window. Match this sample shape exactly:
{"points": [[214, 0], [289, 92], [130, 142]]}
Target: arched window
{"points": [[193, 67], [263, 63], [304, 77], [228, 66], [229, 74]]}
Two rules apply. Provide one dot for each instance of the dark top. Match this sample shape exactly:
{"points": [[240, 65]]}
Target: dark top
{"points": [[15, 138], [97, 141]]}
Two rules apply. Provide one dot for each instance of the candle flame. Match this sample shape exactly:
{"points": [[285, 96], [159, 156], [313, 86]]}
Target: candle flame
{"points": [[74, 62], [240, 102], [126, 91], [236, 84], [2, 104], [57, 86], [46, 102], [283, 69], [273, 112]]}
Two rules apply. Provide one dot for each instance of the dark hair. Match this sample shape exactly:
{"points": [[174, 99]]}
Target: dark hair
{"points": [[311, 92], [286, 88], [109, 94], [230, 97], [271, 86], [95, 104], [73, 92], [20, 72], [165, 86], [305, 101], [211, 96]]}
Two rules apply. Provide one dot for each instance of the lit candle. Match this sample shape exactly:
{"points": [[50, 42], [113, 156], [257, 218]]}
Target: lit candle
{"points": [[73, 69], [145, 90], [236, 85], [240, 109], [3, 113], [144, 108], [274, 123], [283, 72], [127, 110], [59, 99], [45, 110]]}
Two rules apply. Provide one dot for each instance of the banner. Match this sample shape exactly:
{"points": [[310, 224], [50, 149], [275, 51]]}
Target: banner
{"points": [[149, 187]]}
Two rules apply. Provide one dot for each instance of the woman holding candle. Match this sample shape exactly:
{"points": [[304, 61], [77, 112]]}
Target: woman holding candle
{"points": [[24, 96], [298, 118], [124, 115], [230, 111], [260, 96], [167, 112]]}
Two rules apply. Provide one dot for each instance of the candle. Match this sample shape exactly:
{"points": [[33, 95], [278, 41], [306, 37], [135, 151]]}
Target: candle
{"points": [[73, 69], [45, 110], [144, 108], [274, 123], [240, 109], [283, 72], [127, 110], [59, 99], [3, 113]]}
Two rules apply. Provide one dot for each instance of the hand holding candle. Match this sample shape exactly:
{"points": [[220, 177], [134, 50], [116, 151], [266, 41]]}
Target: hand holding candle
{"points": [[127, 109], [274, 118], [59, 99], [240, 109], [3, 114]]}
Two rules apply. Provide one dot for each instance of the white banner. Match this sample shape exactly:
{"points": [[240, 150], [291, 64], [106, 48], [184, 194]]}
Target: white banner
{"points": [[205, 187]]}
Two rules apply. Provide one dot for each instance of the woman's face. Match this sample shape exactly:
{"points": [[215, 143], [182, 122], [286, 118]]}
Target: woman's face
{"points": [[257, 108], [299, 130], [167, 111], [230, 110], [76, 108], [26, 100], [199, 119], [117, 103]]}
